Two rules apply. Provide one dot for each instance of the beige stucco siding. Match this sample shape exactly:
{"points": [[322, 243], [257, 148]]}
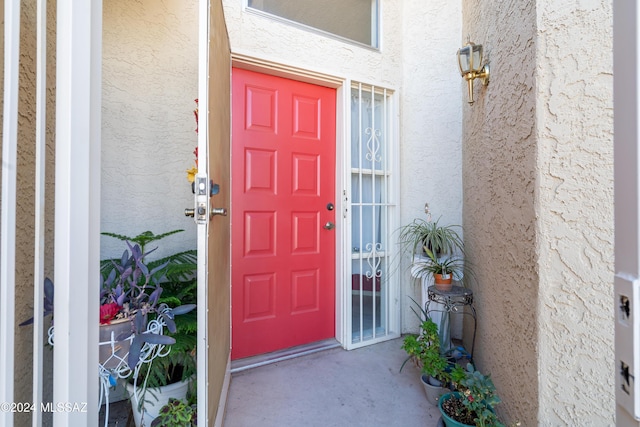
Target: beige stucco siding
{"points": [[150, 82], [538, 208], [575, 210]]}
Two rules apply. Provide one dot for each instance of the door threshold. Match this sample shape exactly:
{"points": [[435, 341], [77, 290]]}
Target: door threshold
{"points": [[280, 355]]}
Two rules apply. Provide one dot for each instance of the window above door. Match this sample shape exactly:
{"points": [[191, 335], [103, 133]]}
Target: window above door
{"points": [[354, 20]]}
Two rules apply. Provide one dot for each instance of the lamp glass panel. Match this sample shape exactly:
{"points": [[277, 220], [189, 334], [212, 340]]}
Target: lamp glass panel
{"points": [[464, 54], [476, 58]]}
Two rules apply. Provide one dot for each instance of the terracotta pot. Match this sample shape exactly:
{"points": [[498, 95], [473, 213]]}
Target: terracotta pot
{"points": [[443, 284]]}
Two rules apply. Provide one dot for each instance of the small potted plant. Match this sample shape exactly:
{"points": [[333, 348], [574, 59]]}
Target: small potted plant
{"points": [[473, 404], [444, 269], [176, 413], [425, 350]]}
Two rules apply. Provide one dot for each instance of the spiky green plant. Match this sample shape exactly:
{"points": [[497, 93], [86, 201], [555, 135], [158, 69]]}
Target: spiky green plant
{"points": [[441, 239]]}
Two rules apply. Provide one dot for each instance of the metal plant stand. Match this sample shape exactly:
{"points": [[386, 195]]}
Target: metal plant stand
{"points": [[451, 301]]}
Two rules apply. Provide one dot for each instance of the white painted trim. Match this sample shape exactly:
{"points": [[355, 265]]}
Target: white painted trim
{"points": [[77, 210], [342, 138], [224, 395], [95, 168], [203, 229], [39, 209], [8, 221], [266, 66], [626, 94]]}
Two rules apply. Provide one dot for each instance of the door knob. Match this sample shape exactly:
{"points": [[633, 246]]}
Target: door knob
{"points": [[219, 211], [329, 226], [189, 212]]}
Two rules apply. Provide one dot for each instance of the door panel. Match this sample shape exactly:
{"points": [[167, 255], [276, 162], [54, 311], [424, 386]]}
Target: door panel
{"points": [[283, 260]]}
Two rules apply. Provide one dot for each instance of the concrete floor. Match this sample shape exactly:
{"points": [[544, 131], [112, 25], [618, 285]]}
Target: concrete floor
{"points": [[332, 388]]}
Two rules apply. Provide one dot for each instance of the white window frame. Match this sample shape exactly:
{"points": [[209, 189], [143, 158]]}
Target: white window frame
{"points": [[375, 29]]}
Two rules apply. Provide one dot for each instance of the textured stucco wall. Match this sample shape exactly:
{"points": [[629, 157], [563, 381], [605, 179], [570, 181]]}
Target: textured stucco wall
{"points": [[150, 82], [430, 122], [575, 210], [430, 126], [265, 38], [417, 59], [499, 164], [538, 208]]}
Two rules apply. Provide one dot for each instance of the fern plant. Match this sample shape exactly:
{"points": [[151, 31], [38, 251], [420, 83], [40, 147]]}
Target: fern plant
{"points": [[181, 265]]}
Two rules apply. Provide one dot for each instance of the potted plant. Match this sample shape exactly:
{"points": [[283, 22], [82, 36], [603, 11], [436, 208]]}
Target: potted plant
{"points": [[437, 250], [161, 378], [424, 233], [176, 413], [425, 350], [473, 404], [445, 269]]}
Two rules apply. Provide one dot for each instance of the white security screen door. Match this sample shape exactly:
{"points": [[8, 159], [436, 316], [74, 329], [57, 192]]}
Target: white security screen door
{"points": [[372, 209]]}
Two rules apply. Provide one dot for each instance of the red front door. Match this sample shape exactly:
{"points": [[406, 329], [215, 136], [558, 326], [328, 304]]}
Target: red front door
{"points": [[283, 192]]}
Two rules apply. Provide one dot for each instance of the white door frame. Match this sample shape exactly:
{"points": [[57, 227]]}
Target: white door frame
{"points": [[203, 229], [626, 94]]}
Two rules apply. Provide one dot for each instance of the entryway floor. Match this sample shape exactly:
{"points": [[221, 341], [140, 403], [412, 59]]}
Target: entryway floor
{"points": [[332, 388]]}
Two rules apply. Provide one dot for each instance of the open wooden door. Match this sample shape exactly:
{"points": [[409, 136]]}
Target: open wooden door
{"points": [[214, 135]]}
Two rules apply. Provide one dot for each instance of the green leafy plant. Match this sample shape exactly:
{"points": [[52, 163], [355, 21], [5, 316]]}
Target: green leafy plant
{"points": [[176, 413], [425, 349], [475, 400]]}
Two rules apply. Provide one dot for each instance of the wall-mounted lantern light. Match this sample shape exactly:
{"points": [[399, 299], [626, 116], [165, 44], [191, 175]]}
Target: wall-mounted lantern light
{"points": [[470, 63]]}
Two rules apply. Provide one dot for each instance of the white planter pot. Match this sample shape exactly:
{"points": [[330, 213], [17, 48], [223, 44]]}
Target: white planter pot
{"points": [[151, 405], [433, 392], [115, 340]]}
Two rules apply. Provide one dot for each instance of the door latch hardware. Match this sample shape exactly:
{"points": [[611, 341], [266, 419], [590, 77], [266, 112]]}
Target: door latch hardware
{"points": [[218, 211], [202, 199], [189, 212], [329, 226]]}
